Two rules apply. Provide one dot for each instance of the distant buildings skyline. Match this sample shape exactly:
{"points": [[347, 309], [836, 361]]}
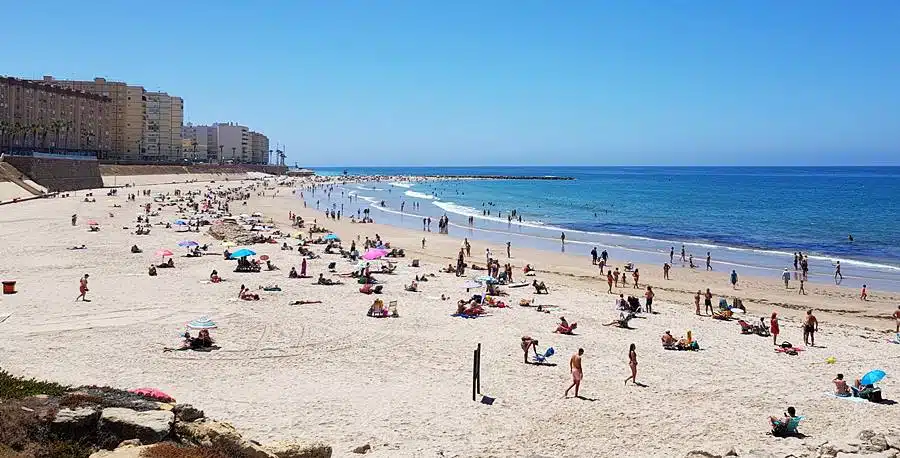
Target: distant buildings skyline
{"points": [[116, 121]]}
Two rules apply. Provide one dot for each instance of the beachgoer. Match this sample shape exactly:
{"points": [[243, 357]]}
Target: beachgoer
{"points": [[668, 341], [636, 275], [609, 281], [781, 423], [840, 387], [773, 327], [682, 253], [796, 261], [616, 277], [802, 290], [786, 276], [708, 261], [83, 288], [810, 327], [529, 343], [508, 245], [649, 296], [666, 268], [734, 279], [594, 256], [632, 363], [423, 243], [863, 295], [577, 372], [672, 256], [697, 301], [837, 271], [707, 302], [152, 270], [897, 318]]}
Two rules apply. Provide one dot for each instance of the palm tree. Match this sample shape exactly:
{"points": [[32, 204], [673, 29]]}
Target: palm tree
{"points": [[18, 129], [57, 126], [5, 127]]}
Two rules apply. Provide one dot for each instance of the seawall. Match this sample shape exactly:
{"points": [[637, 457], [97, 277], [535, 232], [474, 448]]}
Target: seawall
{"points": [[58, 174]]}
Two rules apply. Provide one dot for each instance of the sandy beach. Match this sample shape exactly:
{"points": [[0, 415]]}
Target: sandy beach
{"points": [[328, 372]]}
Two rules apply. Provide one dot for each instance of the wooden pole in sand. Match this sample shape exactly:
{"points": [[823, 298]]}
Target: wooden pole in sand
{"points": [[474, 371], [478, 380]]}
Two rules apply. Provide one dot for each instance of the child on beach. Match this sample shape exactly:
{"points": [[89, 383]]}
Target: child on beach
{"points": [[83, 288]]}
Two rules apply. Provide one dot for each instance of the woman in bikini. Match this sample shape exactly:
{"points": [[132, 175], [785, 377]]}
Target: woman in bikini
{"points": [[632, 363]]}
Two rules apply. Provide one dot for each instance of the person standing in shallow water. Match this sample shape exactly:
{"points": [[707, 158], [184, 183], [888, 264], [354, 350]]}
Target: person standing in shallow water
{"points": [[708, 261]]}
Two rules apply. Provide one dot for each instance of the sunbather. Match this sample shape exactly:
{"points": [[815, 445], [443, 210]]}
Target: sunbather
{"points": [[564, 327], [246, 295], [326, 281], [152, 270], [167, 265], [412, 287], [668, 342], [82, 247], [214, 277], [377, 309], [135, 249], [780, 424], [540, 287], [293, 273], [622, 322], [301, 302], [271, 266], [840, 386]]}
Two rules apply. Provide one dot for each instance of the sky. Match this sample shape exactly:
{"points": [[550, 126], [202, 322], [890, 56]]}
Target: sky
{"points": [[420, 82]]}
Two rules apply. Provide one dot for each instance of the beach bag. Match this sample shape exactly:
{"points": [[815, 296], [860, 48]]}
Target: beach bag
{"points": [[786, 344]]}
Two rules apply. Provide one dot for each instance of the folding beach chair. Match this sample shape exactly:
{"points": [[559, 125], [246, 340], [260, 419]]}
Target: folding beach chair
{"points": [[539, 358], [392, 309], [790, 429]]}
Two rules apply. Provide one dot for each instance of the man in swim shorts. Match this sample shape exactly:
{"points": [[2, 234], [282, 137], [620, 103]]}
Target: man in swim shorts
{"points": [[810, 327], [577, 374]]}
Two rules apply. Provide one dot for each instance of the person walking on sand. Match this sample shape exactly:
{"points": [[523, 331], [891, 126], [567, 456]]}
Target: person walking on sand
{"points": [[682, 253], [423, 243], [672, 256], [802, 290], [863, 295], [616, 277], [468, 248], [632, 363], [897, 318], [83, 288], [810, 327], [74, 219], [707, 302], [708, 261], [786, 276], [697, 302], [577, 373], [773, 328], [837, 272], [666, 268], [508, 246], [609, 280], [734, 279]]}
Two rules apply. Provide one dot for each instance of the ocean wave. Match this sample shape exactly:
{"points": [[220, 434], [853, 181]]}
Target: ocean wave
{"points": [[359, 186], [401, 185], [419, 195]]}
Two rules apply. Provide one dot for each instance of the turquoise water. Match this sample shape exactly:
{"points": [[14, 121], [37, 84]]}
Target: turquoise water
{"points": [[749, 218]]}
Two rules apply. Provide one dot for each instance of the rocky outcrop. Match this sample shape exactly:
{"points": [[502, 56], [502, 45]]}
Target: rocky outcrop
{"points": [[149, 427], [300, 450], [75, 423], [220, 435], [124, 451], [187, 412]]}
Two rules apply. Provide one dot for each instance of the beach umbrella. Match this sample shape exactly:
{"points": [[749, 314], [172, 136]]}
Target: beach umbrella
{"points": [[241, 253], [872, 377], [181, 222], [487, 279], [264, 257], [371, 255], [163, 253], [228, 244], [331, 237], [187, 243], [202, 323], [92, 222]]}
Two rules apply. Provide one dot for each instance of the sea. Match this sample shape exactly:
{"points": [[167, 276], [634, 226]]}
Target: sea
{"points": [[749, 219]]}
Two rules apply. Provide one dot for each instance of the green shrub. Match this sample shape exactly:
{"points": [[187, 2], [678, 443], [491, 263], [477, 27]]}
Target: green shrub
{"points": [[12, 387]]}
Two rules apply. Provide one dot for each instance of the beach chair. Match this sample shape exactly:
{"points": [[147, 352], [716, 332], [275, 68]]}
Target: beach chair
{"points": [[746, 328], [789, 429], [392, 309], [542, 358]]}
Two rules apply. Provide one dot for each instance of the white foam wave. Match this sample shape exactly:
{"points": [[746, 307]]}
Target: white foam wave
{"points": [[359, 186], [419, 195], [401, 185]]}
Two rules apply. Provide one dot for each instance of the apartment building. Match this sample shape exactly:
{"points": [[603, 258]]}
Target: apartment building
{"points": [[144, 125], [162, 135], [196, 143], [259, 148], [35, 116], [233, 142], [127, 112]]}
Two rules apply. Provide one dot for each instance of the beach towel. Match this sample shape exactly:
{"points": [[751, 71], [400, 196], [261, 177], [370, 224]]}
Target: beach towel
{"points": [[463, 315], [789, 350], [152, 393], [848, 398]]}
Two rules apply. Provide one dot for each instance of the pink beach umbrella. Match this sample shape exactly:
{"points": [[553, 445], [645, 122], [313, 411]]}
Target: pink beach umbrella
{"points": [[374, 254], [163, 253], [92, 223]]}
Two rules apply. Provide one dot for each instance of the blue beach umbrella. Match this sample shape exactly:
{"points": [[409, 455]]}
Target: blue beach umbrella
{"points": [[181, 222], [187, 243], [202, 323], [241, 253], [331, 237], [872, 377]]}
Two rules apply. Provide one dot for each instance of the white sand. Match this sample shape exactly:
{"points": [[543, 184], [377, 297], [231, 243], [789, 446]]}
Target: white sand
{"points": [[146, 180], [10, 191], [403, 385]]}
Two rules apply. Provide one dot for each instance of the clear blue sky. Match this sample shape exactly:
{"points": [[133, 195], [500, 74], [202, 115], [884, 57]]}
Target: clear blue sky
{"points": [[377, 82]]}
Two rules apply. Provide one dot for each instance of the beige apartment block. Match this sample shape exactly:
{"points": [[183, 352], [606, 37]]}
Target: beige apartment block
{"points": [[197, 141], [259, 148], [162, 132], [127, 113], [38, 117]]}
